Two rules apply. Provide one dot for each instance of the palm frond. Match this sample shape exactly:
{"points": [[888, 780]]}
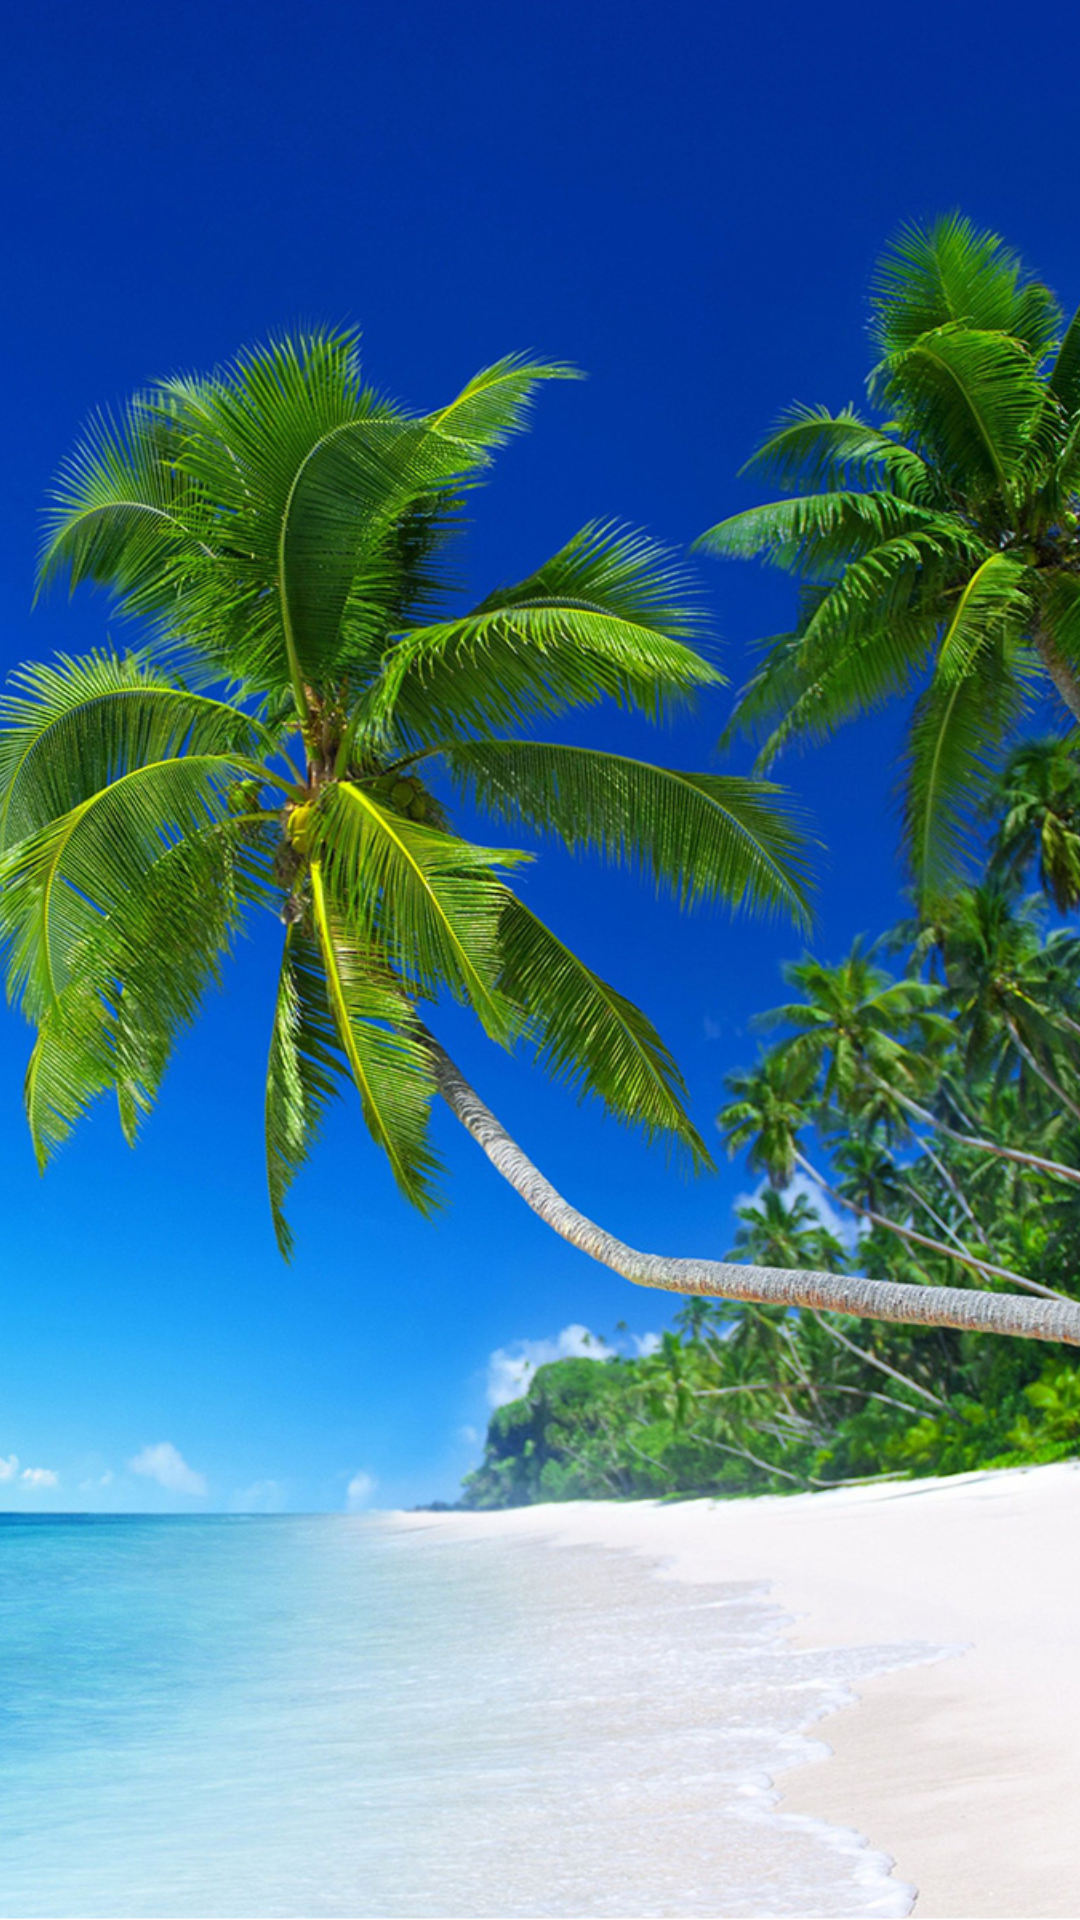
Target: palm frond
{"points": [[141, 976], [1064, 381], [304, 1071], [970, 400], [814, 449], [976, 695], [790, 701], [949, 272], [607, 616], [75, 725], [58, 884], [430, 901], [590, 1037], [819, 535], [389, 1064], [702, 837]]}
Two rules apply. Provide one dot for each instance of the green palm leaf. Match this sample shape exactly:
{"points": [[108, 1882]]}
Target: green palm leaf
{"points": [[700, 836], [606, 617], [77, 724], [971, 399], [950, 273], [430, 900], [390, 1065], [816, 449], [57, 884], [590, 1036]]}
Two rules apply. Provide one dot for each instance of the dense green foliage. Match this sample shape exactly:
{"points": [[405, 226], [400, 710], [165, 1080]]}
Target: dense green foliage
{"points": [[937, 546], [937, 1109], [306, 696]]}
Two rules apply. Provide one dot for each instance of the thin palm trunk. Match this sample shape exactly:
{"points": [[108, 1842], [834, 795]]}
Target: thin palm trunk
{"points": [[956, 1190], [883, 1366], [1041, 1073], [1015, 1154], [979, 1312], [923, 1240]]}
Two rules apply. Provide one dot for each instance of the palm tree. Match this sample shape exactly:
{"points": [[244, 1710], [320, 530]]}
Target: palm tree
{"points": [[1009, 989], [784, 1233], [1038, 800], [945, 536], [777, 1099], [878, 1047], [283, 532]]}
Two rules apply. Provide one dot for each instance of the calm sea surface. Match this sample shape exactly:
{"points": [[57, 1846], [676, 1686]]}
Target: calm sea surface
{"points": [[332, 1716]]}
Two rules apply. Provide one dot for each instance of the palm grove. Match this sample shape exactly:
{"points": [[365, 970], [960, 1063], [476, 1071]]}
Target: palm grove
{"points": [[304, 700]]}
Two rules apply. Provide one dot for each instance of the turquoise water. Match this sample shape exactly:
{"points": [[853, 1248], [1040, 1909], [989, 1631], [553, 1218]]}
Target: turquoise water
{"points": [[358, 1717]]}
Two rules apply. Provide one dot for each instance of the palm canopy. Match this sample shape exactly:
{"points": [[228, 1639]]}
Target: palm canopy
{"points": [[281, 534], [1038, 803], [938, 545]]}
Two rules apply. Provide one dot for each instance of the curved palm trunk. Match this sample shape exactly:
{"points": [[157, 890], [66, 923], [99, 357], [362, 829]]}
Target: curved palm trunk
{"points": [[1015, 1154], [962, 1258], [973, 1310]]}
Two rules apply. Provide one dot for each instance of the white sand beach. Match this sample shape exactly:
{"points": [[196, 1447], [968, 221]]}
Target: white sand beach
{"points": [[966, 1771]]}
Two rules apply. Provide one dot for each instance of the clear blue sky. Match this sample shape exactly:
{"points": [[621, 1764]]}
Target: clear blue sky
{"points": [[684, 199]]}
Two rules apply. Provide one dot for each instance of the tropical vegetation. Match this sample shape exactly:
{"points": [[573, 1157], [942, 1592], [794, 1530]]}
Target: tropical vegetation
{"points": [[303, 704], [935, 539], [935, 1110]]}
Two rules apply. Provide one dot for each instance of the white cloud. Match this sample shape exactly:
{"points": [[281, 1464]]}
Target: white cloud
{"points": [[510, 1369], [646, 1343], [39, 1477], [468, 1437], [166, 1464], [359, 1491], [845, 1226], [92, 1485], [9, 1468], [266, 1496]]}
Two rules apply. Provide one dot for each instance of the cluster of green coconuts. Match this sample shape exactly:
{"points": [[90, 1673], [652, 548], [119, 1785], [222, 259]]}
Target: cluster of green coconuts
{"points": [[402, 793]]}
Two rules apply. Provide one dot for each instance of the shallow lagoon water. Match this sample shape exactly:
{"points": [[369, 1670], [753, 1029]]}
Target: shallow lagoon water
{"points": [[307, 1716]]}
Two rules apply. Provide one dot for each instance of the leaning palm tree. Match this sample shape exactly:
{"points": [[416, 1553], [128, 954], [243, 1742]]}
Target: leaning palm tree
{"points": [[939, 544], [281, 533]]}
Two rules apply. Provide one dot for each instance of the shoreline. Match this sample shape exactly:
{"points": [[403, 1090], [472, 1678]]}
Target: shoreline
{"points": [[966, 1770]]}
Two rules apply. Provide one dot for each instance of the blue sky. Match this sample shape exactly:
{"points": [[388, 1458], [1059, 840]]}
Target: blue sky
{"points": [[684, 199]]}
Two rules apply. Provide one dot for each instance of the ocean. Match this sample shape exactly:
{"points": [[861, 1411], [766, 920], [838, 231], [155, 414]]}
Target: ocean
{"points": [[327, 1715]]}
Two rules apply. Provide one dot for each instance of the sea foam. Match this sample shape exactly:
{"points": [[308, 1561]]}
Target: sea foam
{"points": [[307, 1716]]}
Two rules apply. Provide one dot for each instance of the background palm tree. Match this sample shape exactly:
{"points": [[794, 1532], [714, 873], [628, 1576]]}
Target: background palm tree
{"points": [[1038, 802], [282, 533], [944, 536]]}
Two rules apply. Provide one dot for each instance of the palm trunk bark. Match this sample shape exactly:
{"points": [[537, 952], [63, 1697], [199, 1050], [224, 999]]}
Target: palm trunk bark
{"points": [[969, 1309]]}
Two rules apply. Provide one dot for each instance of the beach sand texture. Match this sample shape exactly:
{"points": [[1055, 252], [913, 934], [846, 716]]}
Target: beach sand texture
{"points": [[967, 1771]]}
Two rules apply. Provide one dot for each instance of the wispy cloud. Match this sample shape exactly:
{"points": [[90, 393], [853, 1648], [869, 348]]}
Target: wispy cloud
{"points": [[27, 1476], [166, 1464], [845, 1226], [646, 1343], [359, 1491], [510, 1369], [266, 1496]]}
